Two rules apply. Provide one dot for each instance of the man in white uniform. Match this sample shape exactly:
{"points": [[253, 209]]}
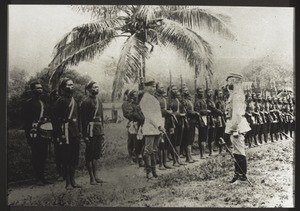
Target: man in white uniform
{"points": [[152, 126], [237, 125]]}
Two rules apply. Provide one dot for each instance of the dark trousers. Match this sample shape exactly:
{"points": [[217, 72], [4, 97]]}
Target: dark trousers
{"points": [[58, 158], [39, 149], [287, 128], [240, 165], [131, 142]]}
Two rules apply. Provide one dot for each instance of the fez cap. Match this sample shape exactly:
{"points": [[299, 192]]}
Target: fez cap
{"points": [[150, 83], [234, 75]]}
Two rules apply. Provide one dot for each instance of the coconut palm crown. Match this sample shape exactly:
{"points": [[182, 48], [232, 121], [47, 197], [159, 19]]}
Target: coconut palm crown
{"points": [[145, 27]]}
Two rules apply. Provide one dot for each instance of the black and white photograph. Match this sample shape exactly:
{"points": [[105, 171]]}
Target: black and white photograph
{"points": [[151, 106]]}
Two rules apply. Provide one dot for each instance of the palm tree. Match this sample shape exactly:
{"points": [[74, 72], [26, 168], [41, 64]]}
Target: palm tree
{"points": [[144, 27]]}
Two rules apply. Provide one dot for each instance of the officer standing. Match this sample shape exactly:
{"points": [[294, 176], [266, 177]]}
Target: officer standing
{"points": [[91, 111], [67, 128], [237, 125], [152, 127], [34, 114]]}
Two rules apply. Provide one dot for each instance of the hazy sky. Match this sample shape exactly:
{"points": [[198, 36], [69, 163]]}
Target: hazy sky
{"points": [[34, 30]]}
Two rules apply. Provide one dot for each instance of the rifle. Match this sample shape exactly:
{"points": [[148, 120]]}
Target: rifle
{"points": [[173, 117], [183, 109]]}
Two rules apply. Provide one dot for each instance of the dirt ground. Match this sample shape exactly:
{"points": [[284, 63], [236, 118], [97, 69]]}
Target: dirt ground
{"points": [[201, 184]]}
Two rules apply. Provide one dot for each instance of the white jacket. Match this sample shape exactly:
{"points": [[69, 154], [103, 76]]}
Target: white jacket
{"points": [[152, 112], [236, 109]]}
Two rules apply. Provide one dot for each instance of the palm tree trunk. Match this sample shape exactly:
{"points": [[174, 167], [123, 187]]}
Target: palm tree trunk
{"points": [[196, 76]]}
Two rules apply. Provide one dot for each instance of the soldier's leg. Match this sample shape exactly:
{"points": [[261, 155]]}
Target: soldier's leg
{"points": [[139, 151], [73, 159], [265, 132], [165, 152], [130, 146], [58, 161], [190, 142], [202, 137], [210, 140], [88, 160], [43, 153], [161, 155]]}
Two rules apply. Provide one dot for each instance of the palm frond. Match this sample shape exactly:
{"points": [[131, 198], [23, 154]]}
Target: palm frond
{"points": [[201, 18], [83, 36], [129, 64], [193, 47], [145, 14], [86, 53]]}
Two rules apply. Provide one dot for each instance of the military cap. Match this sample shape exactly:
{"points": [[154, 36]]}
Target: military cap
{"points": [[150, 83], [234, 75]]}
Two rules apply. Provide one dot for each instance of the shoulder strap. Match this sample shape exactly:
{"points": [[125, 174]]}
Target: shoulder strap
{"points": [[42, 109], [97, 107], [72, 104]]}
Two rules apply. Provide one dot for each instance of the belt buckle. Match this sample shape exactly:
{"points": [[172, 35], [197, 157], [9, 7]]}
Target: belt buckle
{"points": [[74, 120]]}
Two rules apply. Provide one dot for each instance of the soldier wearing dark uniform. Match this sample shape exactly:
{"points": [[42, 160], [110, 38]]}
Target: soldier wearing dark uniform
{"points": [[212, 118], [189, 130], [175, 132], [201, 108], [262, 112], [220, 120], [268, 116], [280, 127], [67, 127], [91, 111], [273, 116], [57, 146], [288, 118], [164, 144], [258, 120], [35, 113]]}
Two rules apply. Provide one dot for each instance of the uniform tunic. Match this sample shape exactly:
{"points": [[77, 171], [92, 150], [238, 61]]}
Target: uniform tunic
{"points": [[31, 113], [237, 122], [62, 110], [87, 112]]}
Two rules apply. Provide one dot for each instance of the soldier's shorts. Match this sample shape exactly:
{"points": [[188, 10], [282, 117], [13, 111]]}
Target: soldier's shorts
{"points": [[70, 152], [93, 148]]}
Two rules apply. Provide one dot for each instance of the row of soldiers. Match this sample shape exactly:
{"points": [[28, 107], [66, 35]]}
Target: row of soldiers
{"points": [[182, 115], [65, 122], [269, 117]]}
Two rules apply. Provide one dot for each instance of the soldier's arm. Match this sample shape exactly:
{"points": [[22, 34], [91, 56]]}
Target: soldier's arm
{"points": [[84, 122], [214, 109], [27, 120]]}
